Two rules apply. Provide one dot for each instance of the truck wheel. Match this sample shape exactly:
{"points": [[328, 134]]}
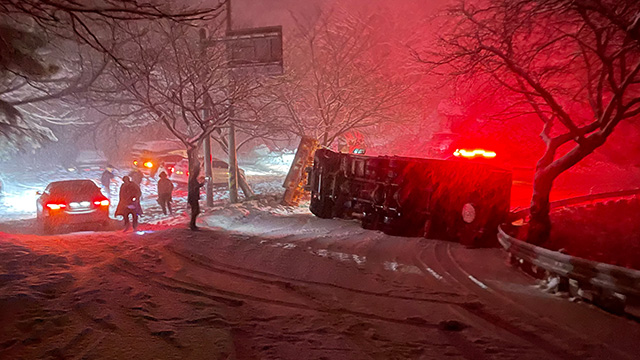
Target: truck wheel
{"points": [[394, 227], [370, 221], [322, 208]]}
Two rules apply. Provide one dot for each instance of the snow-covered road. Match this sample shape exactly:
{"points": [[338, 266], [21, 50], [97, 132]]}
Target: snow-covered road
{"points": [[263, 281]]}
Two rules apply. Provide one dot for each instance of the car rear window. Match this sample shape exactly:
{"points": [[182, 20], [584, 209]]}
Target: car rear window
{"points": [[73, 187]]}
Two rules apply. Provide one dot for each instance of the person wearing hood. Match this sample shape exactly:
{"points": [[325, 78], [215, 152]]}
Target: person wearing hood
{"points": [[165, 190], [129, 202], [193, 198], [106, 178]]}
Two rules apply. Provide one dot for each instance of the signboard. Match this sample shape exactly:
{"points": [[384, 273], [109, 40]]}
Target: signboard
{"points": [[256, 49]]}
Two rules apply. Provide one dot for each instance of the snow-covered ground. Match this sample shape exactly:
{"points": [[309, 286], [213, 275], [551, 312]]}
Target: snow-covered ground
{"points": [[18, 201], [266, 281]]}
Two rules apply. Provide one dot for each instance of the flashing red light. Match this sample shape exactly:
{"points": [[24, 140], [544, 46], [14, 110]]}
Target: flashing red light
{"points": [[135, 162], [473, 153], [53, 206], [101, 202], [148, 164], [172, 170]]}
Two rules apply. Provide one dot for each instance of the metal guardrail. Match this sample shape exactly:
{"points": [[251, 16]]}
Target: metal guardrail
{"points": [[600, 275], [609, 281]]}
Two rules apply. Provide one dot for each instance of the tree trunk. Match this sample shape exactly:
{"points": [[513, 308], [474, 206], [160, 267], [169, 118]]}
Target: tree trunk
{"points": [[540, 222], [547, 171], [192, 155]]}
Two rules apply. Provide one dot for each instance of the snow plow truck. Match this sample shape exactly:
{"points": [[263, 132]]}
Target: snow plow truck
{"points": [[438, 199]]}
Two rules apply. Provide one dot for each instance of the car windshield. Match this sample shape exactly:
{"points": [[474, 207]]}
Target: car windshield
{"points": [[73, 187]]}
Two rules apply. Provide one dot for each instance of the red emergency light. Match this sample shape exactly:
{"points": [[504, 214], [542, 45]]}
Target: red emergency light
{"points": [[473, 153]]}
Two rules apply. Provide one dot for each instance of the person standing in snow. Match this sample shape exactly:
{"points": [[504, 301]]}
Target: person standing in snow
{"points": [[161, 169], [165, 189], [129, 203], [106, 178], [194, 184], [136, 176]]}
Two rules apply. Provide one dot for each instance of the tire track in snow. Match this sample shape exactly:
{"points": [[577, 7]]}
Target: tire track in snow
{"points": [[236, 299], [285, 282]]}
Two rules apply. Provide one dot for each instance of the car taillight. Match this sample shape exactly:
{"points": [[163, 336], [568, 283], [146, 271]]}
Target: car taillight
{"points": [[473, 153], [53, 206], [148, 164], [101, 202]]}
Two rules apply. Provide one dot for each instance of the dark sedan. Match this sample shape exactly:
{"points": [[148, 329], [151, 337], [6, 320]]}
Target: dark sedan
{"points": [[71, 202]]}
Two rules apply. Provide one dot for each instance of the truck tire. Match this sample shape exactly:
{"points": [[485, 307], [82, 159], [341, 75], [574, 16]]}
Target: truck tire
{"points": [[371, 220], [322, 208]]}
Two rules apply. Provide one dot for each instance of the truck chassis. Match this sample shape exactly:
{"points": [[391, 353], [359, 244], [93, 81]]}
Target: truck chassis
{"points": [[443, 199]]}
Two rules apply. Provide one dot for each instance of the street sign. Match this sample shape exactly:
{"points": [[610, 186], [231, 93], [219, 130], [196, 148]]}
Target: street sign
{"points": [[256, 50]]}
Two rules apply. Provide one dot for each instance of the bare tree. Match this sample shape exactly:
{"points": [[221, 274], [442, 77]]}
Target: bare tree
{"points": [[341, 76], [575, 64], [168, 77], [51, 50]]}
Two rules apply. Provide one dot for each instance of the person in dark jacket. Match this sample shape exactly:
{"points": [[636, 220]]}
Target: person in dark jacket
{"points": [[194, 184], [106, 178], [136, 176], [165, 189], [129, 203]]}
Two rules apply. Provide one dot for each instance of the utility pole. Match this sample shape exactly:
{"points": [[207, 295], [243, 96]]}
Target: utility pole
{"points": [[233, 158], [208, 173]]}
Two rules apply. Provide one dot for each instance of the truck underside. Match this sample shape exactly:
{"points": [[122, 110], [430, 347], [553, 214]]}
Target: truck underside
{"points": [[444, 199]]}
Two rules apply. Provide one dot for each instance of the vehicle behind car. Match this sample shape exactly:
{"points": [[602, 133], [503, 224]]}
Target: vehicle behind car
{"points": [[149, 156], [71, 202], [219, 171], [88, 160]]}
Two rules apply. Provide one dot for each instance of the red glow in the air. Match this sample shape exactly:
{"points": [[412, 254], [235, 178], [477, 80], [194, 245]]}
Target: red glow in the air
{"points": [[473, 153]]}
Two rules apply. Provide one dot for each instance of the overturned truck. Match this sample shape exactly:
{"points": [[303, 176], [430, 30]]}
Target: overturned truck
{"points": [[441, 199]]}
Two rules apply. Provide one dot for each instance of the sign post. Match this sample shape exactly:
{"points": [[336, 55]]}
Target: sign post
{"points": [[249, 51]]}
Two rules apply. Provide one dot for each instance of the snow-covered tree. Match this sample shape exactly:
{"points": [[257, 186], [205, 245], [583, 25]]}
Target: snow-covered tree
{"points": [[51, 50], [343, 74], [575, 64], [168, 76]]}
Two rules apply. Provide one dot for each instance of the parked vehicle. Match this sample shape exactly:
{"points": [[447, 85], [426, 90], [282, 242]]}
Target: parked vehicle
{"points": [[88, 160], [444, 199], [71, 202], [148, 156], [219, 170]]}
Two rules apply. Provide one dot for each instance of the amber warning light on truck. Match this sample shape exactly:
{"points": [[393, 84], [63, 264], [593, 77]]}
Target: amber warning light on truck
{"points": [[474, 153]]}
